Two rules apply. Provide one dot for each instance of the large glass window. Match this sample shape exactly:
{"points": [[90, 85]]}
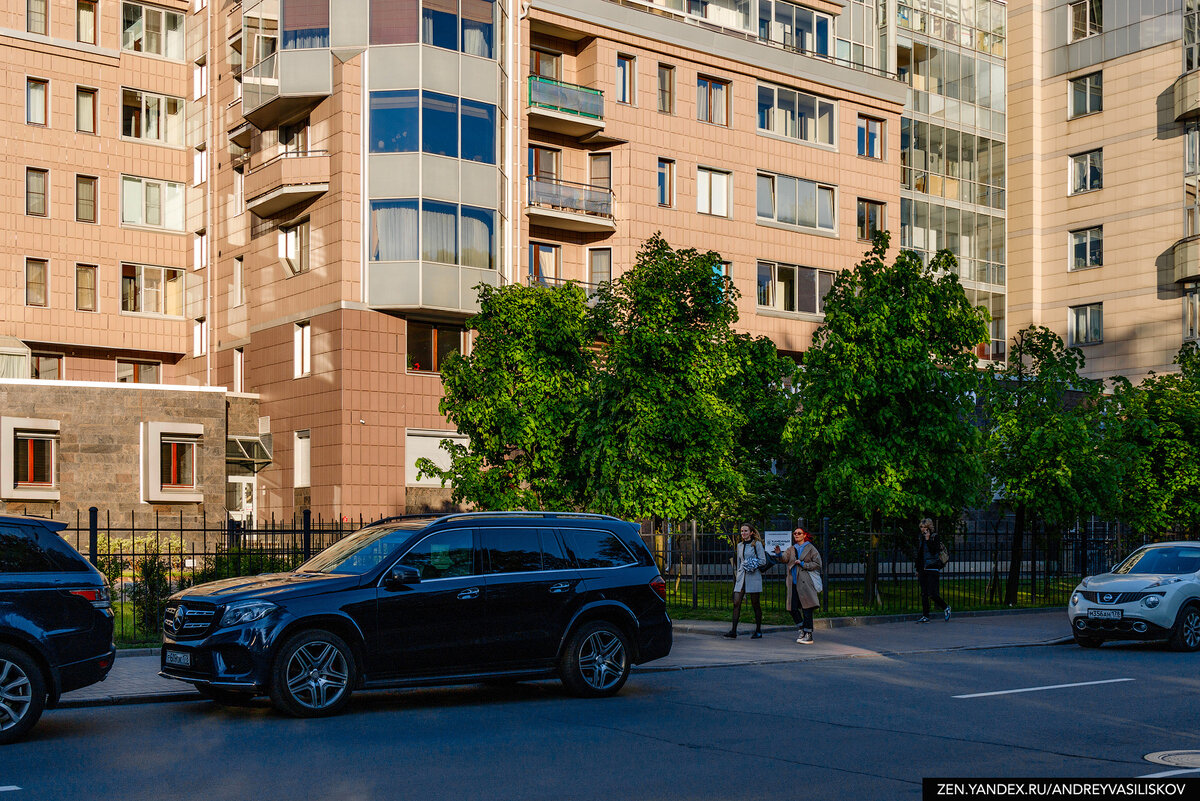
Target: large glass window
{"points": [[792, 288], [512, 550], [430, 343], [46, 366], [795, 201], [439, 123], [795, 26], [151, 117], [1087, 324], [138, 372], [439, 23], [439, 232], [1087, 171], [478, 27], [151, 290], [1086, 94], [796, 115], [305, 23], [446, 233], [394, 21], [156, 31], [447, 554], [394, 122], [478, 132], [156, 204], [478, 231], [1087, 248], [394, 230]]}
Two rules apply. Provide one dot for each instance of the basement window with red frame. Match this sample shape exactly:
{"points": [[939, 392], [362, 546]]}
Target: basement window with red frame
{"points": [[177, 463], [33, 460]]}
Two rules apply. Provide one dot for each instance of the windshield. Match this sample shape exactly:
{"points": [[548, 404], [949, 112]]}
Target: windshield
{"points": [[362, 550], [1164, 559]]}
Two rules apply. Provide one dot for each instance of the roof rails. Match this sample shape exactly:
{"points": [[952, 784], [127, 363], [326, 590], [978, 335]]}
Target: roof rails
{"points": [[395, 518], [579, 515]]}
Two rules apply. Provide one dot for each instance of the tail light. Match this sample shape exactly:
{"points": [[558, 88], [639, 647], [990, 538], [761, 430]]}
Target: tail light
{"points": [[98, 597], [660, 587]]}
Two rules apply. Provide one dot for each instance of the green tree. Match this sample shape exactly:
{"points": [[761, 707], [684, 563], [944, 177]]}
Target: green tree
{"points": [[669, 432], [1158, 430], [519, 398], [1045, 449], [885, 427]]}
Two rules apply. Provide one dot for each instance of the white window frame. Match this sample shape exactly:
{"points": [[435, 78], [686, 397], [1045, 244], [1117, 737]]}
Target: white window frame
{"points": [[882, 138], [302, 349], [10, 489], [153, 436], [302, 458], [199, 80], [591, 273], [44, 83], [819, 187], [200, 250], [182, 42], [1071, 315], [1073, 163], [199, 166], [199, 337], [778, 304], [170, 126], [294, 246], [1088, 232], [140, 278], [629, 87], [177, 224], [1094, 27], [672, 168], [776, 116], [1089, 92], [706, 195]]}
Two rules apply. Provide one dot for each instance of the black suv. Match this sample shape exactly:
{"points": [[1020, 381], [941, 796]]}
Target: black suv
{"points": [[56, 622], [407, 602]]}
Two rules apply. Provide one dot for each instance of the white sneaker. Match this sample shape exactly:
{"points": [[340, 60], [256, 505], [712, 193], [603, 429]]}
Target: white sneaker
{"points": [[800, 638]]}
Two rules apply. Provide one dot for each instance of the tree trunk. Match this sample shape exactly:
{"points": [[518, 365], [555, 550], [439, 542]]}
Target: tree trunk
{"points": [[871, 566], [1014, 566]]}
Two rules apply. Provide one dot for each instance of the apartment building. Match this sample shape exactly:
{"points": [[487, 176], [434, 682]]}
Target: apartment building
{"points": [[1103, 165], [285, 205]]}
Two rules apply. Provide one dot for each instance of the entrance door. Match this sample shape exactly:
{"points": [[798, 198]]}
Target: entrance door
{"points": [[239, 499]]}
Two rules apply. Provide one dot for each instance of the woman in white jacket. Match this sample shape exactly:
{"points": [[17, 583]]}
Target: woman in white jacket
{"points": [[747, 580]]}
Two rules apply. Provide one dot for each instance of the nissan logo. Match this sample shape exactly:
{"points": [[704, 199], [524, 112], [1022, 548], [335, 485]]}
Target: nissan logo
{"points": [[1108, 597]]}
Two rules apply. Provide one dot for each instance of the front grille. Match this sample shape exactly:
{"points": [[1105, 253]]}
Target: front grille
{"points": [[1114, 597], [187, 620]]}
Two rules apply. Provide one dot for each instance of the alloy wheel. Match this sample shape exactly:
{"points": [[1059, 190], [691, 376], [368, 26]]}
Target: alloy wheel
{"points": [[317, 675], [602, 660], [16, 694], [1191, 629]]}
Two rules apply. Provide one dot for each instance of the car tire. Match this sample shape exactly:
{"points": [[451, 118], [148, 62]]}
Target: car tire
{"points": [[1185, 636], [222, 696], [313, 675], [596, 662], [22, 693], [1084, 641]]}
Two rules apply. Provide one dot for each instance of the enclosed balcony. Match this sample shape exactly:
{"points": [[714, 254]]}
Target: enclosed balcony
{"points": [[568, 206], [286, 85], [1187, 95], [564, 107], [1187, 259], [286, 180]]}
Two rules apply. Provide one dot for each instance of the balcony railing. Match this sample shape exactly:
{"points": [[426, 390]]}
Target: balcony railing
{"points": [[566, 97], [551, 193]]}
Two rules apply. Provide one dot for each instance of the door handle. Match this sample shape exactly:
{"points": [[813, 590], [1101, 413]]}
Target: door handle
{"points": [[562, 586], [467, 595]]}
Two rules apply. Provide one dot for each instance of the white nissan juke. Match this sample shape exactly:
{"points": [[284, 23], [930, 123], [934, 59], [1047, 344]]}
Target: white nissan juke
{"points": [[1154, 594]]}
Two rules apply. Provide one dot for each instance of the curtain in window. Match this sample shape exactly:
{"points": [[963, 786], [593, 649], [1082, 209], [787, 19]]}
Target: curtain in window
{"points": [[542, 259], [785, 197], [439, 232], [132, 203], [35, 18], [439, 23], [394, 21], [599, 265], [478, 244], [720, 200], [173, 207], [394, 230], [824, 208], [477, 27], [719, 104], [305, 24]]}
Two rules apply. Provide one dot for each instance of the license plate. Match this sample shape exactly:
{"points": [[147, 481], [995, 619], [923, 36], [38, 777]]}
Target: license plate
{"points": [[178, 658], [1105, 614]]}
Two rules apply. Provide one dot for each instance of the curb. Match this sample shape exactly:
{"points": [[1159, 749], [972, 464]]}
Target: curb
{"points": [[122, 700], [716, 627]]}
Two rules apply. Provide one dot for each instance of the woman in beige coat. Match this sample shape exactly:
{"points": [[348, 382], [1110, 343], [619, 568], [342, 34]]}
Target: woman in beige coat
{"points": [[801, 560]]}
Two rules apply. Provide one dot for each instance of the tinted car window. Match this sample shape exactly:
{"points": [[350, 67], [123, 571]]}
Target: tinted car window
{"points": [[30, 549], [597, 548], [447, 554], [359, 552], [1163, 559], [553, 557], [512, 550]]}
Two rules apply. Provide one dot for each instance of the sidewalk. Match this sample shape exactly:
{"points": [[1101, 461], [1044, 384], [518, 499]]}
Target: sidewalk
{"points": [[134, 678]]}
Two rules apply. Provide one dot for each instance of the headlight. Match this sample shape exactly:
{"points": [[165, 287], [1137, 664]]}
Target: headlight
{"points": [[246, 612], [1075, 599], [1151, 601], [1166, 582]]}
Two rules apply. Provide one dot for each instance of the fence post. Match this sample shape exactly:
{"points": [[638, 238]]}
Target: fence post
{"points": [[1033, 569], [695, 568], [307, 518], [233, 545], [93, 536], [826, 559]]}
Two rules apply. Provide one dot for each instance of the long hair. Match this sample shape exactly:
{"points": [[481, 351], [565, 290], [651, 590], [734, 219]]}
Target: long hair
{"points": [[755, 534]]}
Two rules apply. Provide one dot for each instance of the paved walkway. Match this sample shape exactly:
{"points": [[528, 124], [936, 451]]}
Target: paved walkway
{"points": [[134, 678]]}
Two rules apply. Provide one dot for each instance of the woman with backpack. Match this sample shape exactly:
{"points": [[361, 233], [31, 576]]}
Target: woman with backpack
{"points": [[802, 562], [931, 558], [749, 561]]}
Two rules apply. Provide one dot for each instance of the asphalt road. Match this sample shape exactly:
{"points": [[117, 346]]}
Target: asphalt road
{"points": [[864, 728]]}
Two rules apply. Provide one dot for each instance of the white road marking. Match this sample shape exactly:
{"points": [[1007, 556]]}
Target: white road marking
{"points": [[1039, 689], [9, 788], [1166, 773]]}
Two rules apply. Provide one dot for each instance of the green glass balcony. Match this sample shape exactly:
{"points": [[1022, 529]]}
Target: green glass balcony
{"points": [[565, 108]]}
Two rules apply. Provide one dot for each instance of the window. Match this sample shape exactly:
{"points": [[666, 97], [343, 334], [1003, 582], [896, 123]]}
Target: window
{"points": [[137, 372], [1191, 312], [28, 465], [199, 337], [302, 458], [478, 132], [239, 370], [666, 182], [302, 350], [35, 191], [85, 287], [796, 115], [626, 80], [293, 138], [599, 265], [200, 250], [795, 201], [237, 292], [406, 121], [666, 88], [177, 463], [439, 23], [46, 366], [37, 92], [712, 192], [1087, 94], [871, 218], [34, 459], [543, 163], [796, 27], [870, 138], [513, 550], [37, 275], [430, 343], [595, 549], [447, 554], [543, 263], [1086, 19], [545, 64], [85, 21], [153, 31], [1087, 248], [151, 290], [600, 170], [151, 117], [150, 203], [712, 100], [394, 230], [199, 166], [1087, 171], [85, 198], [293, 247], [439, 124], [85, 110], [199, 80], [395, 126], [394, 23], [305, 24], [791, 288], [35, 16], [1087, 324]]}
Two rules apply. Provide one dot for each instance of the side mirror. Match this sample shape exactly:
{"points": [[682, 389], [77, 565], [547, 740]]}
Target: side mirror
{"points": [[401, 576]]}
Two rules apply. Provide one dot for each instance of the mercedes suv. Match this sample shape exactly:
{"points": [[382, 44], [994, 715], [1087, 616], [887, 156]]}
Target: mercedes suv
{"points": [[56, 622], [413, 601]]}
